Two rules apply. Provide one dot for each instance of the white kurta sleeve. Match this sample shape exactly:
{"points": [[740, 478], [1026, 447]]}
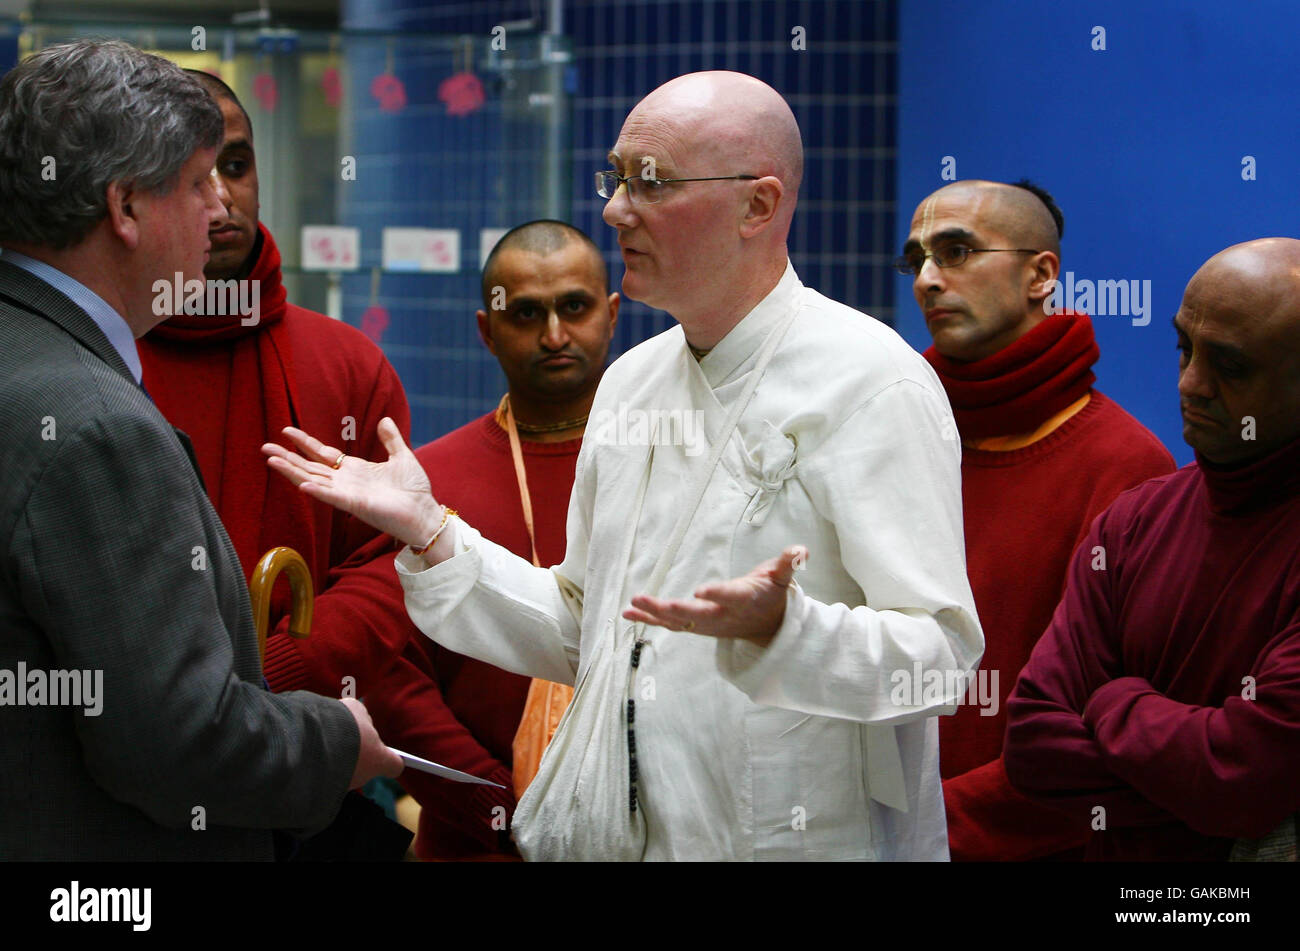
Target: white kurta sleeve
{"points": [[488, 603], [889, 482]]}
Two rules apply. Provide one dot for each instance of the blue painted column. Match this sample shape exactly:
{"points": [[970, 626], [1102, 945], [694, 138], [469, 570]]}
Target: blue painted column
{"points": [[421, 167], [8, 45]]}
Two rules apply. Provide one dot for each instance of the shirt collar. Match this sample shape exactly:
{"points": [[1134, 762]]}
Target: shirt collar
{"points": [[108, 320], [743, 341]]}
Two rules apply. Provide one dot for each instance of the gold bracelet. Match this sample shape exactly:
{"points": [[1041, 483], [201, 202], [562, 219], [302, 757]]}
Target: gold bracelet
{"points": [[447, 514]]}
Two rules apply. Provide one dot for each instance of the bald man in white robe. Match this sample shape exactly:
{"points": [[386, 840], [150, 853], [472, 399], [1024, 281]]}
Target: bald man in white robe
{"points": [[783, 714]]}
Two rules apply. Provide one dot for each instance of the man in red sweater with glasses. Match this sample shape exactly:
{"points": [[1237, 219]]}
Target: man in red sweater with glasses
{"points": [[548, 318], [1043, 453]]}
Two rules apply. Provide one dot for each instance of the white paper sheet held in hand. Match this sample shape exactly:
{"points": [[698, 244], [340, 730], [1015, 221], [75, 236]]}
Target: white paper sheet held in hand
{"points": [[446, 772]]}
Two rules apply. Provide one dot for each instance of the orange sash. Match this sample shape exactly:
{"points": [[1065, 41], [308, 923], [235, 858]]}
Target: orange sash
{"points": [[546, 701]]}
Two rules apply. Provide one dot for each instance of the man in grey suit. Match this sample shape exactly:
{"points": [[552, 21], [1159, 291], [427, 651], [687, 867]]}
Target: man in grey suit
{"points": [[133, 719]]}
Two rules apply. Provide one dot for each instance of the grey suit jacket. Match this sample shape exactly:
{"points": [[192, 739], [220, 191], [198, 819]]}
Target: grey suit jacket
{"points": [[113, 560]]}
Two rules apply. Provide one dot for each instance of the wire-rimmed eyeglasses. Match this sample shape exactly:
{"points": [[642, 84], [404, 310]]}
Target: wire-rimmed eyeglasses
{"points": [[650, 190], [950, 255]]}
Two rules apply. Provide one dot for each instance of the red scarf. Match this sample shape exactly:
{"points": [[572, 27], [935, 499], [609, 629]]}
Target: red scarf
{"points": [[1022, 386], [231, 388]]}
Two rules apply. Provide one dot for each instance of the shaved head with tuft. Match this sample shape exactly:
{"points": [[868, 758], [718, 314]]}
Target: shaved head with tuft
{"points": [[998, 292], [1015, 211]]}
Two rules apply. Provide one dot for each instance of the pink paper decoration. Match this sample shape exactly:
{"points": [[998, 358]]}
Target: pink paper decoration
{"points": [[374, 322], [463, 94], [332, 87], [265, 91], [389, 91]]}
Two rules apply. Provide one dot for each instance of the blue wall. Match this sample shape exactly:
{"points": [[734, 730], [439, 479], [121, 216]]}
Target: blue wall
{"points": [[1141, 144], [841, 88], [434, 170], [8, 45]]}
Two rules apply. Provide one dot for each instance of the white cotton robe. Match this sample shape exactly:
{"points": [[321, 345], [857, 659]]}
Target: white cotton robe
{"points": [[806, 748]]}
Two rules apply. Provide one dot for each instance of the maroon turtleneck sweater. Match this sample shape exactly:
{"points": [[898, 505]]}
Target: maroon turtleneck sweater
{"points": [[1025, 511], [1166, 691]]}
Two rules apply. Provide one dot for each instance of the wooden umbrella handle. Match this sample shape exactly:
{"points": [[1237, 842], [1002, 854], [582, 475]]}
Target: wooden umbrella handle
{"points": [[300, 587]]}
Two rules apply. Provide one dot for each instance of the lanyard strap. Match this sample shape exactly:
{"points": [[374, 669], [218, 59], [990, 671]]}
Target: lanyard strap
{"points": [[517, 453]]}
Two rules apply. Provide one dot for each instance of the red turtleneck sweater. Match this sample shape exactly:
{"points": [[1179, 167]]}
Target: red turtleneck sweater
{"points": [[1167, 689], [232, 388], [450, 708], [1025, 511]]}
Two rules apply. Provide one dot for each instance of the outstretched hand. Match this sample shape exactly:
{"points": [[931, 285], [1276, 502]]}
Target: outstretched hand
{"points": [[750, 607], [392, 496]]}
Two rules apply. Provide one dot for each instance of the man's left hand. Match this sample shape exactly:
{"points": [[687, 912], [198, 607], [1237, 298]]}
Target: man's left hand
{"points": [[750, 607]]}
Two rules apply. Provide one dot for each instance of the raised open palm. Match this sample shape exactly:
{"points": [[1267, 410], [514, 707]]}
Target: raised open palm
{"points": [[750, 607], [392, 496]]}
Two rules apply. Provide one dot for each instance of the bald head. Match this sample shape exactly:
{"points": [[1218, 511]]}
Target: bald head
{"points": [[1239, 335], [543, 237], [1267, 270], [710, 241], [736, 118], [1253, 287], [221, 92]]}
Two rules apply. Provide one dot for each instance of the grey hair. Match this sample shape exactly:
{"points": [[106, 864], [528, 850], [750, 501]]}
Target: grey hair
{"points": [[77, 116]]}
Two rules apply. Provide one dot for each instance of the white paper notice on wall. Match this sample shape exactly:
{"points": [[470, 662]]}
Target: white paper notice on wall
{"points": [[422, 249], [330, 248], [487, 240]]}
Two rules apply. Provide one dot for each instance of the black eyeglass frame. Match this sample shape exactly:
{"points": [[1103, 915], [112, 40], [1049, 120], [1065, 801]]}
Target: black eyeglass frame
{"points": [[903, 264]]}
